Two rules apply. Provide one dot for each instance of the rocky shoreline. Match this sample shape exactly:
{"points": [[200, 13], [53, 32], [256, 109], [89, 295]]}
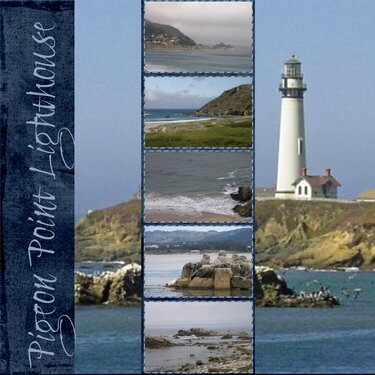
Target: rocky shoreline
{"points": [[223, 274], [121, 287], [271, 290], [243, 196], [231, 351]]}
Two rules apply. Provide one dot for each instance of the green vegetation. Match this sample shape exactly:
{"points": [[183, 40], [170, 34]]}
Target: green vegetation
{"points": [[236, 101], [226, 132], [110, 234]]}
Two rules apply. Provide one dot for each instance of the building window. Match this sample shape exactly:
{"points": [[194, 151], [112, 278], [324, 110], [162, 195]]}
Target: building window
{"points": [[305, 190], [300, 146], [299, 190]]}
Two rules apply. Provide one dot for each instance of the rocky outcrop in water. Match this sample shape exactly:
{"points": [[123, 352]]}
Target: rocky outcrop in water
{"points": [[121, 287], [199, 332], [158, 342], [271, 290], [224, 273]]}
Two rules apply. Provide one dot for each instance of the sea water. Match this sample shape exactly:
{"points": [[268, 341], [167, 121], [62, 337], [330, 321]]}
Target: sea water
{"points": [[170, 115], [108, 340], [189, 183], [161, 269], [236, 60], [314, 340]]}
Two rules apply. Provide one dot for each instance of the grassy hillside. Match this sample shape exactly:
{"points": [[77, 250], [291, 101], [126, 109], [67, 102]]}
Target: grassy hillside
{"points": [[234, 102], [227, 132], [315, 234], [112, 233]]}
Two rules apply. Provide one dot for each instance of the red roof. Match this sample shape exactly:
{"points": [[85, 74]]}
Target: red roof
{"points": [[316, 181]]}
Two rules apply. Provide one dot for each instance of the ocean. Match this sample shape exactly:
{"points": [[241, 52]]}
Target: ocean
{"points": [[108, 340], [237, 60], [160, 269], [190, 183], [170, 115], [336, 341]]}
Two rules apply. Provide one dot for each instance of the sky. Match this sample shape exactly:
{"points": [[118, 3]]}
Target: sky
{"points": [[335, 42], [205, 22], [182, 315], [206, 228], [107, 100], [186, 92]]}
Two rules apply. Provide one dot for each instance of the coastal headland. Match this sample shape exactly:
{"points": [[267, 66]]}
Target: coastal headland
{"points": [[315, 234]]}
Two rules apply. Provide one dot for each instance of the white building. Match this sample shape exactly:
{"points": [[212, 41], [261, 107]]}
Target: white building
{"points": [[316, 187], [293, 182], [292, 148]]}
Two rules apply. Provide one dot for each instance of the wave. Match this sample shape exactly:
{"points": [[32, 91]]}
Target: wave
{"points": [[184, 205], [229, 189]]}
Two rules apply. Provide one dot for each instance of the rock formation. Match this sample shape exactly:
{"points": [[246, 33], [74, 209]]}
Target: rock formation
{"points": [[121, 287], [315, 234], [244, 197], [225, 273], [199, 332], [158, 342], [271, 290]]}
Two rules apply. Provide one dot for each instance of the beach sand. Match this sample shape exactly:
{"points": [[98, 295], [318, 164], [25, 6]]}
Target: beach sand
{"points": [[162, 216], [195, 124]]}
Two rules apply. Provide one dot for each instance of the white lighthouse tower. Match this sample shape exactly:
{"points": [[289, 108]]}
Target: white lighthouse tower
{"points": [[292, 145]]}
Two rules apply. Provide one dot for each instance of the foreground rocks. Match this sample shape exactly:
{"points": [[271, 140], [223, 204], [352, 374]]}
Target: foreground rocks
{"points": [[232, 354], [224, 273], [271, 290], [121, 287], [244, 197], [239, 362]]}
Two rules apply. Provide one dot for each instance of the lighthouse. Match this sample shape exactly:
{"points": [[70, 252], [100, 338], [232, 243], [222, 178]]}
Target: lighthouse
{"points": [[292, 142]]}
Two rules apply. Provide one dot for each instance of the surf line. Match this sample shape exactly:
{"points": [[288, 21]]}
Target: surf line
{"points": [[47, 147]]}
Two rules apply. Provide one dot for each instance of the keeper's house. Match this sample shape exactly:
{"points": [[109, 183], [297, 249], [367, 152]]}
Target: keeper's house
{"points": [[316, 187]]}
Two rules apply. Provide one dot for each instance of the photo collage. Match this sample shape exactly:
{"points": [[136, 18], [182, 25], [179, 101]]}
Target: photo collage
{"points": [[198, 186]]}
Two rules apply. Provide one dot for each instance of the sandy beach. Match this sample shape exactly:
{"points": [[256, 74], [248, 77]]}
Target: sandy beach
{"points": [[175, 125]]}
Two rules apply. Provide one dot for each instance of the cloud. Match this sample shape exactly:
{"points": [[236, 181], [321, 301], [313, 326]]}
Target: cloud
{"points": [[155, 99], [206, 22]]}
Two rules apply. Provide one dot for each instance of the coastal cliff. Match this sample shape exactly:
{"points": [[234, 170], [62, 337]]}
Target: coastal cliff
{"points": [[165, 36], [315, 234], [233, 102], [110, 234]]}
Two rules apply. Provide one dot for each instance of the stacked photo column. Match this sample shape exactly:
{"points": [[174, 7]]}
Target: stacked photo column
{"points": [[197, 187]]}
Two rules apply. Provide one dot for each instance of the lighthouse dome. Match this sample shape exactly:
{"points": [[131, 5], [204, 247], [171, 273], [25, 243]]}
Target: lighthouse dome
{"points": [[292, 60]]}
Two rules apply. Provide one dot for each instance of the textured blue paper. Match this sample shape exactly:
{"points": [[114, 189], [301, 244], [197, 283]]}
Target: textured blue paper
{"points": [[22, 177]]}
